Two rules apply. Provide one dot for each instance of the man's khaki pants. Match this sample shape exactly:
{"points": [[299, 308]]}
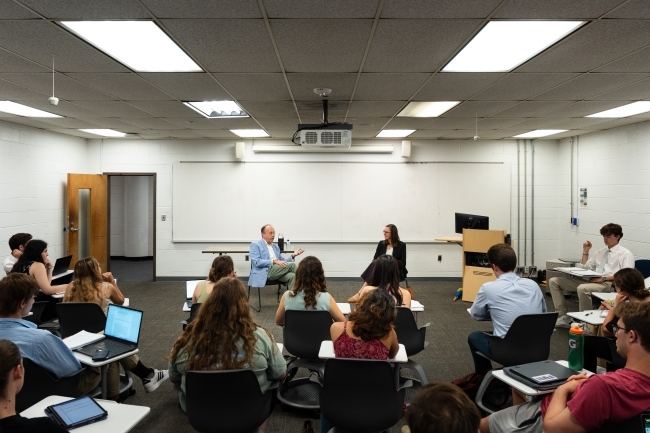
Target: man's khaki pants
{"points": [[584, 290], [285, 274], [88, 380]]}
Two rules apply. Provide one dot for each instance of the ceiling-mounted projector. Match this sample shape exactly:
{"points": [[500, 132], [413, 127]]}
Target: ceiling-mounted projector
{"points": [[325, 134]]}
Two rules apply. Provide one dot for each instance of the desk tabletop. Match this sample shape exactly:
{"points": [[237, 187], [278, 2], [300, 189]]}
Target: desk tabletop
{"points": [[87, 360], [458, 239], [327, 351], [121, 417], [499, 374], [344, 307], [593, 317], [605, 296]]}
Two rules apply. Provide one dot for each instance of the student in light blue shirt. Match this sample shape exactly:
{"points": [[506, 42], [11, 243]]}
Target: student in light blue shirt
{"points": [[502, 301], [17, 292]]}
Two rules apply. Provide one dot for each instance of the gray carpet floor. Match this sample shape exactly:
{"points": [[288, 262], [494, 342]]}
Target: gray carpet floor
{"points": [[447, 357]]}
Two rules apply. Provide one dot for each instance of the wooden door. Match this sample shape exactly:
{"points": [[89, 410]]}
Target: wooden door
{"points": [[88, 217]]}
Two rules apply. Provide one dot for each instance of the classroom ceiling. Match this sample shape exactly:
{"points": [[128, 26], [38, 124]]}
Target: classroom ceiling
{"points": [[376, 55]]}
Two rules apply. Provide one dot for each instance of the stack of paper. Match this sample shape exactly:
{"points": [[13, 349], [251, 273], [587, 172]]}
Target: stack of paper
{"points": [[81, 338], [587, 273]]}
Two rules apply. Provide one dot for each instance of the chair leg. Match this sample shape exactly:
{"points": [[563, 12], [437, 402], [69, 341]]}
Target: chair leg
{"points": [[419, 370], [259, 297], [481, 391]]}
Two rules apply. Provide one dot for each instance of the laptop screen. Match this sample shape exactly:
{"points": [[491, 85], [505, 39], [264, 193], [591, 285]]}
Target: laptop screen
{"points": [[189, 288], [123, 323]]}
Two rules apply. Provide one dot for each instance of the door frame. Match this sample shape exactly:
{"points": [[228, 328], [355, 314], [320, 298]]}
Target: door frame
{"points": [[155, 187]]}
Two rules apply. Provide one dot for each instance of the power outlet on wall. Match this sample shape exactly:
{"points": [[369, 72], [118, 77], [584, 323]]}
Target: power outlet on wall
{"points": [[519, 270], [440, 258], [163, 217]]}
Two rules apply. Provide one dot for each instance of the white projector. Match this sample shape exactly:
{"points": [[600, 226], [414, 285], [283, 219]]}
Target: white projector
{"points": [[326, 138]]}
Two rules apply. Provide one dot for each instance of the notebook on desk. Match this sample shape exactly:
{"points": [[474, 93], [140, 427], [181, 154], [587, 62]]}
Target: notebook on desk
{"points": [[543, 375], [61, 265], [122, 332]]}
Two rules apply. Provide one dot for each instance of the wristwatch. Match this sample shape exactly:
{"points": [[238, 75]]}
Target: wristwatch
{"points": [[604, 279]]}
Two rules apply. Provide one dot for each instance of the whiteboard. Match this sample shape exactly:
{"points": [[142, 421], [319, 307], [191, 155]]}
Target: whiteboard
{"points": [[334, 201]]}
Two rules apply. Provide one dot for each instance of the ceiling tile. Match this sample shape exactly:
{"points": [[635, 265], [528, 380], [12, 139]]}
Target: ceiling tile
{"points": [[409, 122], [316, 45], [13, 92], [153, 123], [34, 123], [64, 87], [290, 123], [12, 11], [461, 134], [365, 133], [387, 87], [514, 87], [217, 133], [303, 85], [112, 123], [570, 133], [74, 132], [313, 117], [531, 108], [579, 122], [541, 123], [497, 123], [418, 9], [281, 133], [478, 108], [451, 123], [633, 9], [87, 9], [12, 63], [203, 9], [370, 123], [638, 61], [636, 91], [122, 86], [615, 123], [111, 109], [588, 86], [455, 86], [255, 87], [269, 109], [165, 108], [38, 40], [584, 108], [342, 9], [430, 44], [375, 108], [65, 108], [188, 86], [245, 123], [227, 45], [556, 9], [67, 122], [194, 122], [591, 46], [184, 133], [430, 133]]}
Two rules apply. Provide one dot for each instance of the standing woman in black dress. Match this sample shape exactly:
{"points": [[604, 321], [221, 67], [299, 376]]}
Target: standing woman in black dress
{"points": [[391, 245]]}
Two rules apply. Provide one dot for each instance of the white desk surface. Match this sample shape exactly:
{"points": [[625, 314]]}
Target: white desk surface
{"points": [[589, 316], [121, 417], [604, 296], [458, 239], [344, 307], [87, 360], [62, 274], [327, 351], [578, 274], [185, 307], [499, 374], [58, 295]]}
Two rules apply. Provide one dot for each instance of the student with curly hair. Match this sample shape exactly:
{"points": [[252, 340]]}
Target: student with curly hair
{"points": [[309, 292], [222, 266], [224, 336]]}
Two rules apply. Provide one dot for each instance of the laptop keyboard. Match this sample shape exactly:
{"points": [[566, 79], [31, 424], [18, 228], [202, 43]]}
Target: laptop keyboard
{"points": [[114, 348]]}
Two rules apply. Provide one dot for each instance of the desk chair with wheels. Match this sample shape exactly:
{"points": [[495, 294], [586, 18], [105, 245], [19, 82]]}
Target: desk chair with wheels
{"points": [[303, 332], [412, 338], [527, 340], [40, 384], [267, 283], [226, 401], [360, 395], [643, 266]]}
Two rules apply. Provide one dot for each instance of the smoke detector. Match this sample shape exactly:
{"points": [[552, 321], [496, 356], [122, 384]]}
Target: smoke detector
{"points": [[323, 92]]}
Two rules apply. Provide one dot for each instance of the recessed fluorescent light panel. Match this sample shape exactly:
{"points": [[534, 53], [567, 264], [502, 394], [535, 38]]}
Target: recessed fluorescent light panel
{"points": [[23, 110], [104, 132], [395, 133], [501, 46], [540, 133], [625, 110], [140, 45], [250, 133], [217, 109], [427, 109]]}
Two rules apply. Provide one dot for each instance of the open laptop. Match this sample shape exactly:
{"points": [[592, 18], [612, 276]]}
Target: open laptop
{"points": [[61, 265], [122, 332], [543, 375], [189, 291]]}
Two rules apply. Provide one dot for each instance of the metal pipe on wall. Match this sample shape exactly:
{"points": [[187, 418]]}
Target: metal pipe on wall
{"points": [[571, 181], [518, 199], [525, 203], [577, 177], [532, 205]]}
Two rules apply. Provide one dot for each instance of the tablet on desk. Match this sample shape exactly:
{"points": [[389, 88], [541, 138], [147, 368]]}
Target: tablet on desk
{"points": [[76, 413]]}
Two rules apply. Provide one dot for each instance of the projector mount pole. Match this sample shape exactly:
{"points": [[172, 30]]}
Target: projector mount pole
{"points": [[325, 112]]}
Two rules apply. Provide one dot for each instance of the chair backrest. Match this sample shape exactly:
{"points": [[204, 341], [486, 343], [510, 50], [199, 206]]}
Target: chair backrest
{"points": [[80, 316], [360, 395], [194, 311], [228, 401], [632, 425], [408, 332], [37, 312], [304, 330], [527, 340], [643, 266], [40, 384]]}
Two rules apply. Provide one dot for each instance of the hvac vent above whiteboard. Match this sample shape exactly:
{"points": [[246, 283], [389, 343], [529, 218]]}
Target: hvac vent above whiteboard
{"points": [[334, 201]]}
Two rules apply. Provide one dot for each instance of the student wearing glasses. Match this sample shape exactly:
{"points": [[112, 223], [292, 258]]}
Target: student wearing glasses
{"points": [[592, 403], [392, 246]]}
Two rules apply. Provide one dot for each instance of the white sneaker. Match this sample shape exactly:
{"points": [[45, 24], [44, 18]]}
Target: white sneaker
{"points": [[154, 380], [563, 322]]}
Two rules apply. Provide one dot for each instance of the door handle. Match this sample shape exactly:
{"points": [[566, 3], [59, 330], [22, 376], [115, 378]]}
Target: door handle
{"points": [[72, 229]]}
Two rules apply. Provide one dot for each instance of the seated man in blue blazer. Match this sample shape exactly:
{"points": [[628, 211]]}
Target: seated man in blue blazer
{"points": [[268, 263]]}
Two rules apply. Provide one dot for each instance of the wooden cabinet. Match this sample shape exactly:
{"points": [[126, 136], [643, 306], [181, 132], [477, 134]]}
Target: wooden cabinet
{"points": [[476, 270]]}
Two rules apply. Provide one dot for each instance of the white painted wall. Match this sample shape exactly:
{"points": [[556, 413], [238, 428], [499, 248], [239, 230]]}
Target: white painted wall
{"points": [[33, 177], [614, 166], [118, 214]]}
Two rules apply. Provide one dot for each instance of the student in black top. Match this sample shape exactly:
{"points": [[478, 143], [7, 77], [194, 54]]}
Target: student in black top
{"points": [[391, 245], [12, 376]]}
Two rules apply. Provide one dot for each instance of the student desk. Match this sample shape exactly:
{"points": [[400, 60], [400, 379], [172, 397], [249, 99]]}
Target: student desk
{"points": [[593, 317], [327, 351], [525, 389], [121, 417], [103, 365]]}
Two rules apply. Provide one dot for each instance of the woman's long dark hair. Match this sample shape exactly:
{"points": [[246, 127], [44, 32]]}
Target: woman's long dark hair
{"points": [[386, 276], [374, 316], [631, 282], [32, 253], [394, 236], [310, 278]]}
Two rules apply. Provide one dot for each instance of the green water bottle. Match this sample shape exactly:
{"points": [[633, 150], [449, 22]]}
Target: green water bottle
{"points": [[576, 348]]}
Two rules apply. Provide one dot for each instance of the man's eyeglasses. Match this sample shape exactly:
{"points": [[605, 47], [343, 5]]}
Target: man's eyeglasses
{"points": [[615, 328]]}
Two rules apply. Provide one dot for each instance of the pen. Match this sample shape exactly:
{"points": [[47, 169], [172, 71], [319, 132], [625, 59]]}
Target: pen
{"points": [[588, 313]]}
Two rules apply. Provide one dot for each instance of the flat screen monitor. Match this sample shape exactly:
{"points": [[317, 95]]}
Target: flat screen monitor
{"points": [[467, 221]]}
